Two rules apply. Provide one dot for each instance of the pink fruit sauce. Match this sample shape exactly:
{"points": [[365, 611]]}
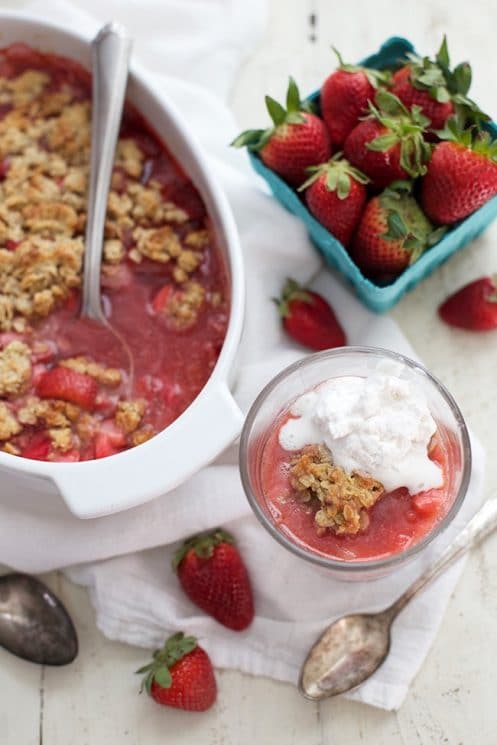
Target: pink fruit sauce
{"points": [[397, 521], [164, 281]]}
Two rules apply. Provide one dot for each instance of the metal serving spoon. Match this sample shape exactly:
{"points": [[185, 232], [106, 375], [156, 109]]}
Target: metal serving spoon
{"points": [[111, 50], [354, 647], [34, 624]]}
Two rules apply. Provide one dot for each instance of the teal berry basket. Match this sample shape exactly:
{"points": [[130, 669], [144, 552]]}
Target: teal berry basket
{"points": [[380, 298]]}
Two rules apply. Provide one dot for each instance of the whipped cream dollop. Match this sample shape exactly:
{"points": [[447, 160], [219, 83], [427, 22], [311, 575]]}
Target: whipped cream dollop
{"points": [[379, 425]]}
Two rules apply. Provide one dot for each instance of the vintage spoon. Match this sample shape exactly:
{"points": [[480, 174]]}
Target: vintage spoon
{"points": [[111, 50], [34, 624], [354, 647]]}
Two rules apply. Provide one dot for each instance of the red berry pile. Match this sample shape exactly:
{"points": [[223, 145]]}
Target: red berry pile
{"points": [[388, 161]]}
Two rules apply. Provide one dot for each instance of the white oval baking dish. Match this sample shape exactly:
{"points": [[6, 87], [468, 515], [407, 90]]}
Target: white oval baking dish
{"points": [[213, 420]]}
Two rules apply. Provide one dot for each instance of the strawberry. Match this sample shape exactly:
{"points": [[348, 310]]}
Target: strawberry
{"points": [[392, 234], [309, 319], [213, 575], [345, 96], [297, 140], [38, 448], [462, 175], [335, 193], [435, 88], [180, 675], [389, 145], [473, 307], [109, 439], [68, 385]]}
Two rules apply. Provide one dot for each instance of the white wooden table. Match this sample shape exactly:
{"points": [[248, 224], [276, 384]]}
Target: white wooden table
{"points": [[94, 701]]}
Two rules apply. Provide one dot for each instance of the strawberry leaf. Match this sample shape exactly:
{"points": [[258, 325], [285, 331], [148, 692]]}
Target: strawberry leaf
{"points": [[292, 96], [338, 173], [343, 185], [461, 78], [250, 138], [162, 677], [397, 229], [294, 117], [275, 110], [442, 57], [437, 235], [383, 143], [203, 545]]}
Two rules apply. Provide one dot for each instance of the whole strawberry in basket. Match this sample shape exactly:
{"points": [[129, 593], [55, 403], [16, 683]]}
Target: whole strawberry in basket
{"points": [[389, 145], [435, 88], [298, 138], [335, 194], [393, 233], [346, 95], [462, 174]]}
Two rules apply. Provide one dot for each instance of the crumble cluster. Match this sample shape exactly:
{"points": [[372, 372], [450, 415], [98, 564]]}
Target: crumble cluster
{"points": [[44, 157], [345, 498]]}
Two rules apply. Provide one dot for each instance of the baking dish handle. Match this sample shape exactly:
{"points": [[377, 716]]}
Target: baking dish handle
{"points": [[119, 482]]}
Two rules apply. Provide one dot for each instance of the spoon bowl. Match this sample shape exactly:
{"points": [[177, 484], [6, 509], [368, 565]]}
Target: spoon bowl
{"points": [[349, 652], [352, 648], [34, 625]]}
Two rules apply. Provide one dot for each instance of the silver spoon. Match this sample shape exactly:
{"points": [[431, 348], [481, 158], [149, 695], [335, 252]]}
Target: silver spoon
{"points": [[34, 624], [354, 647], [111, 50]]}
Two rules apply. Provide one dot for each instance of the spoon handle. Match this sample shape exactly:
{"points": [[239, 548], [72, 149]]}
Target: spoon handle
{"points": [[111, 50], [478, 528]]}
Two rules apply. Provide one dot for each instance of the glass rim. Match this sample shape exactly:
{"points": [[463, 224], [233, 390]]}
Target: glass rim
{"points": [[365, 564]]}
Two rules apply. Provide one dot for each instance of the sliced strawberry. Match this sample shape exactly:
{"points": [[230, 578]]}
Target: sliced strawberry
{"points": [[104, 447], [162, 298], [68, 385], [38, 448], [109, 440]]}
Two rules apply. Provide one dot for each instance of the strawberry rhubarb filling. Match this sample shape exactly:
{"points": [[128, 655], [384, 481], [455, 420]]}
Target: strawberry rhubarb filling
{"points": [[65, 392], [358, 468]]}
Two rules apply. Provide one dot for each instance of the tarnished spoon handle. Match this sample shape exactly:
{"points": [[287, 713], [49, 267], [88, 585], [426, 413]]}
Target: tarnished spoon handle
{"points": [[111, 50], [478, 528]]}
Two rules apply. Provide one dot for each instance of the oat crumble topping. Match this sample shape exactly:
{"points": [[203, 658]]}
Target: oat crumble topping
{"points": [[45, 141], [9, 426], [182, 308], [15, 368], [345, 498], [129, 415], [105, 375]]}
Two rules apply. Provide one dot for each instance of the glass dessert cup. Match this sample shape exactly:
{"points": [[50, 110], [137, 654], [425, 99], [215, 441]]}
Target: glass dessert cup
{"points": [[268, 411]]}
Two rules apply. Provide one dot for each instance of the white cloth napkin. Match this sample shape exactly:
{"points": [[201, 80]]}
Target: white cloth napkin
{"points": [[136, 596]]}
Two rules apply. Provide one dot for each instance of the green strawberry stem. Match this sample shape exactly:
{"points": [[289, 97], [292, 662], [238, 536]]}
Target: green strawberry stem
{"points": [[375, 77], [177, 646], [339, 173], [406, 221], [291, 291], [470, 138], [444, 84], [203, 544], [255, 139], [405, 128]]}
